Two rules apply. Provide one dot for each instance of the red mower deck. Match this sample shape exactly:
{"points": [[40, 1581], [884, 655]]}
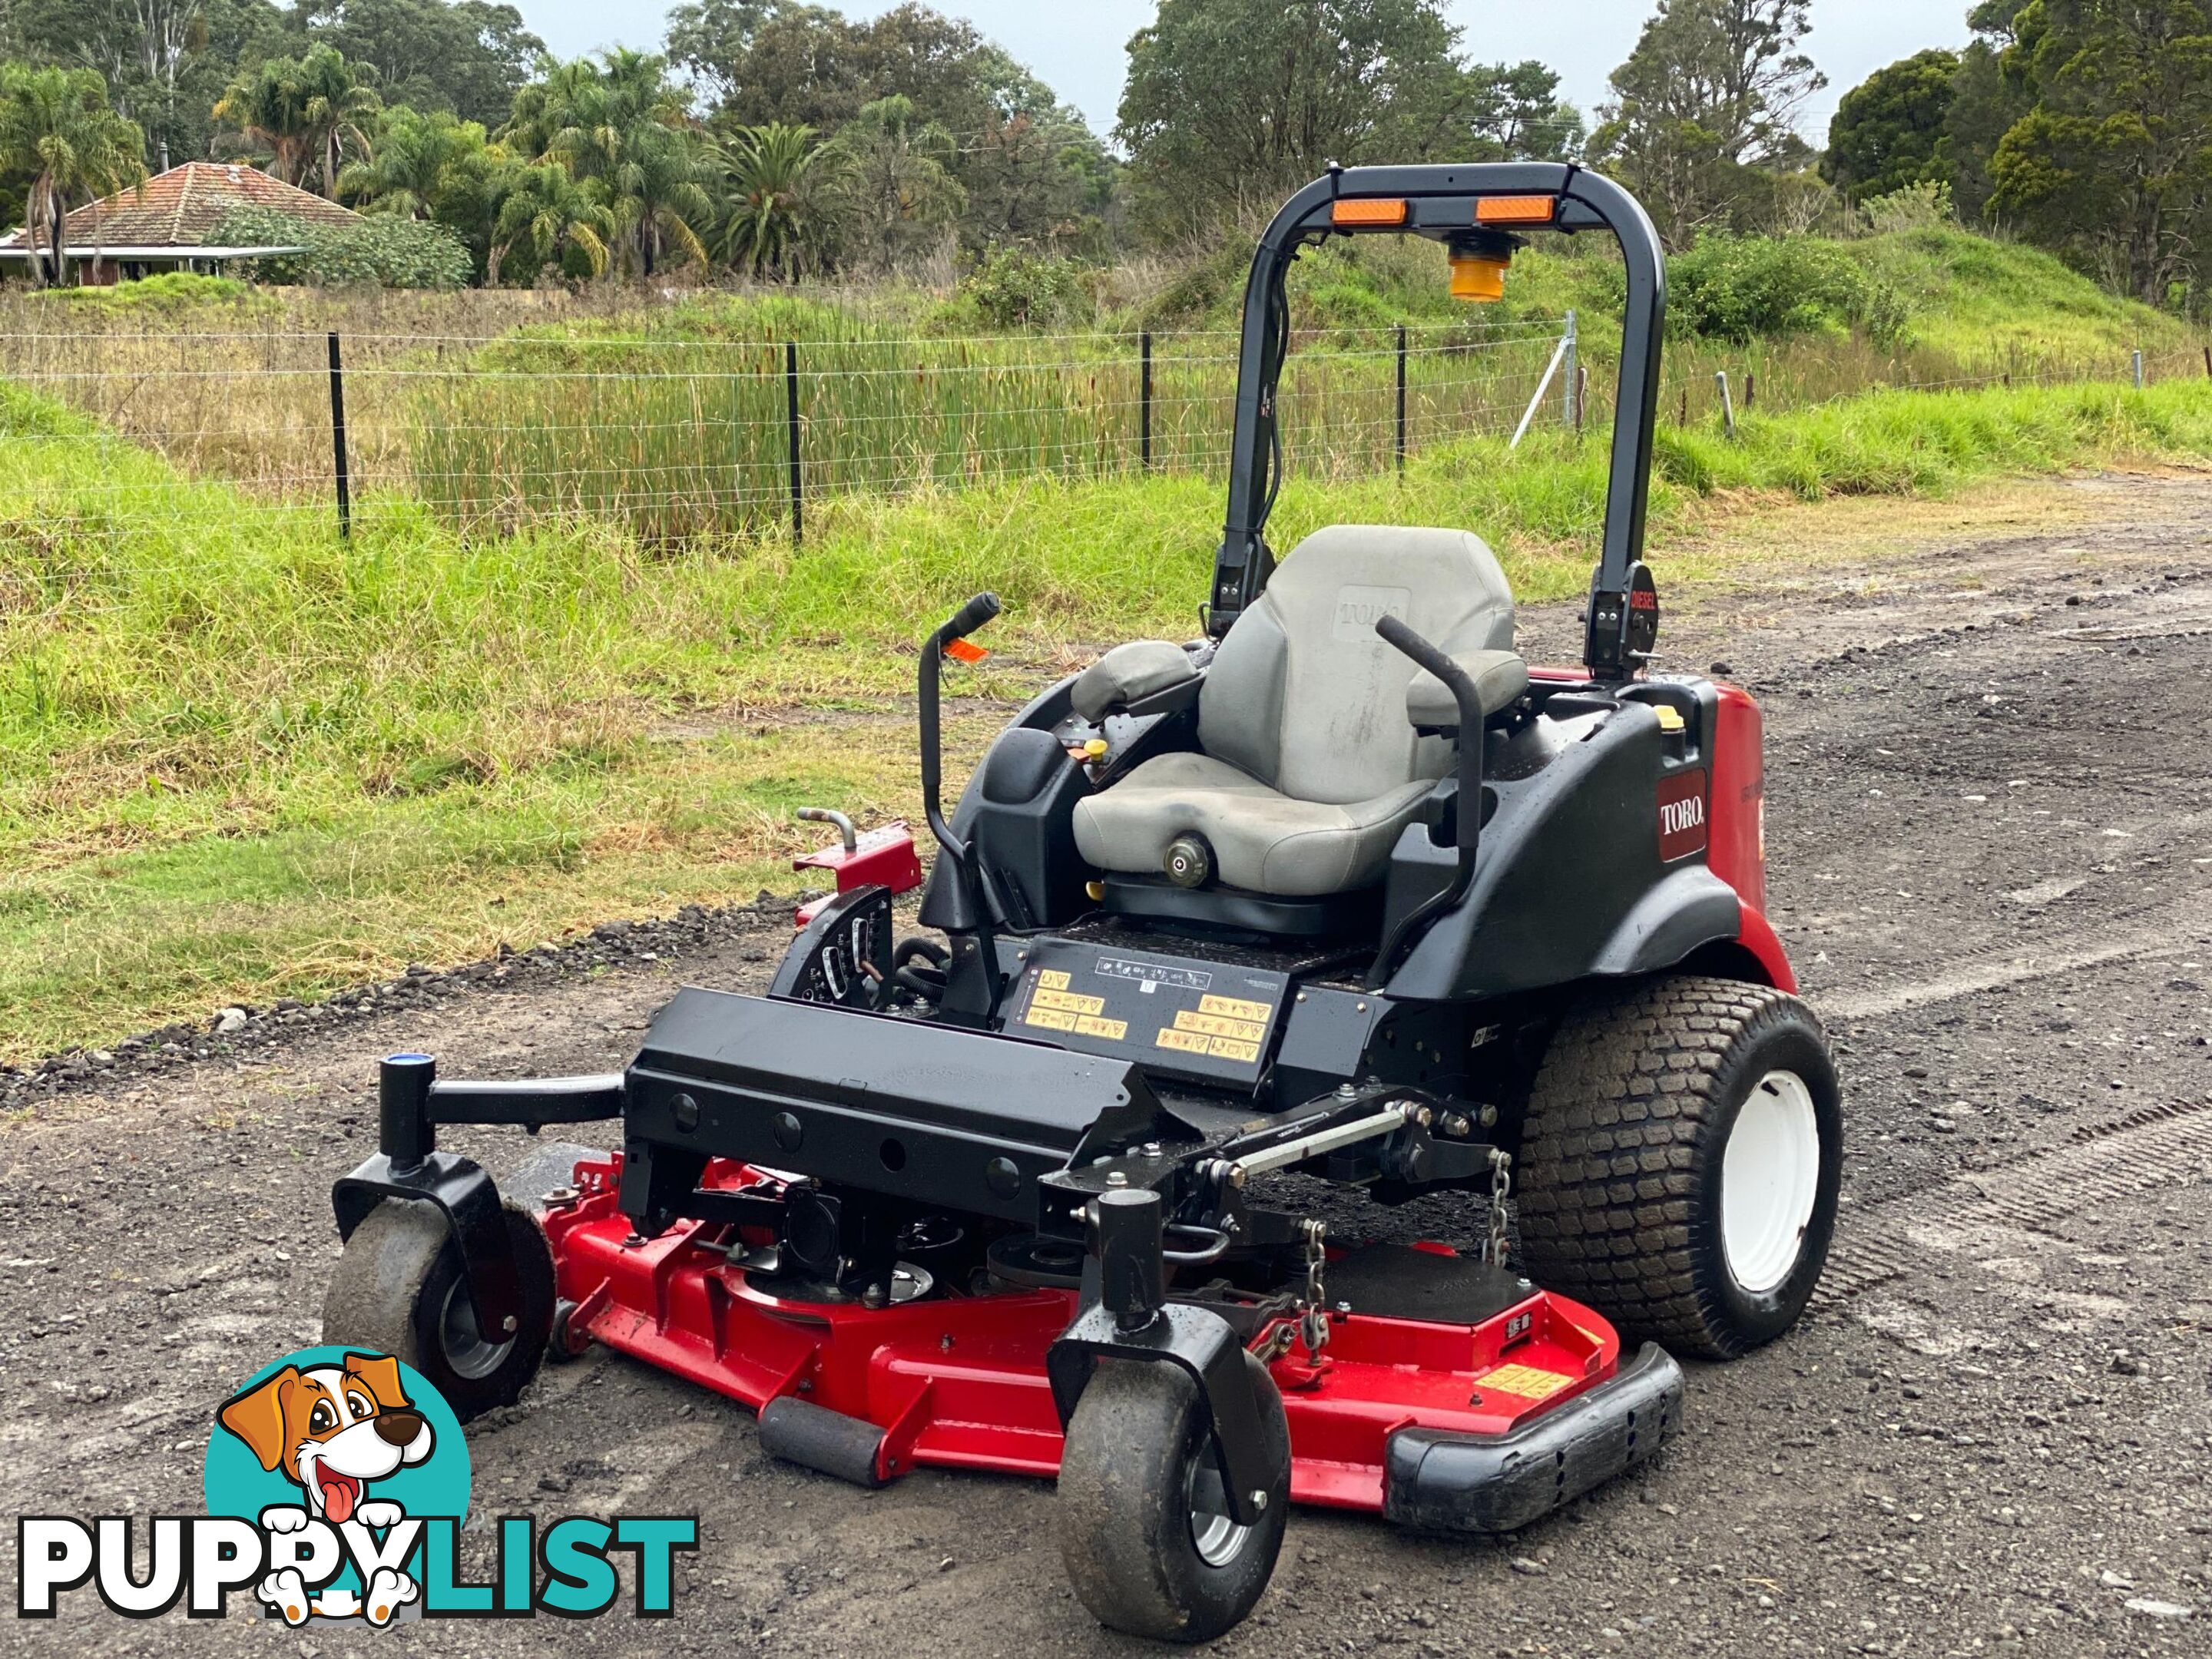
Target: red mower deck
{"points": [[959, 1382]]}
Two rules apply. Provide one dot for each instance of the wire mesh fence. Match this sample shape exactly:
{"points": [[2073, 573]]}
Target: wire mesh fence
{"points": [[682, 438], [679, 438]]}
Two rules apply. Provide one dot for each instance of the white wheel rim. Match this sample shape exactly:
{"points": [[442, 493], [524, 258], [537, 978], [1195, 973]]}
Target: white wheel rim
{"points": [[1769, 1177]]}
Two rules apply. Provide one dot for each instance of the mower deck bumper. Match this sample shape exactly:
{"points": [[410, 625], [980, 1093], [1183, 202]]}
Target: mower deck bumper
{"points": [[1446, 1481]]}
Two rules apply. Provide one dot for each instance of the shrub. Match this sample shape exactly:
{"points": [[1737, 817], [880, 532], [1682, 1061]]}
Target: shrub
{"points": [[381, 251], [1013, 287], [1738, 288], [1916, 207], [171, 290]]}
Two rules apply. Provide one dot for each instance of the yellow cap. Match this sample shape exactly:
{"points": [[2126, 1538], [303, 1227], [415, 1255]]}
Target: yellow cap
{"points": [[1096, 889], [1095, 748], [1670, 718], [1478, 276]]}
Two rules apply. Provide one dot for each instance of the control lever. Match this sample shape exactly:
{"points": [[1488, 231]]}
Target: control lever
{"points": [[1467, 812], [962, 622]]}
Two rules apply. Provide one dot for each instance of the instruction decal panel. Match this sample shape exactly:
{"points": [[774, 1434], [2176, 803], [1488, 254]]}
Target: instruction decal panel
{"points": [[1209, 1019]]}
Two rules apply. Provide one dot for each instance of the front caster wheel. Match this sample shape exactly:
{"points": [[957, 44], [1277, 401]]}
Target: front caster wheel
{"points": [[1144, 1527], [400, 1288], [566, 1342]]}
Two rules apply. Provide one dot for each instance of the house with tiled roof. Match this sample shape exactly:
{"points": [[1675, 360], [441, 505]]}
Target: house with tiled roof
{"points": [[169, 224]]}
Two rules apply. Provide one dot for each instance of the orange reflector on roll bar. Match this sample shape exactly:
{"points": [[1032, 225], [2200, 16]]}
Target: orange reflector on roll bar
{"points": [[964, 650], [1515, 209], [1368, 210]]}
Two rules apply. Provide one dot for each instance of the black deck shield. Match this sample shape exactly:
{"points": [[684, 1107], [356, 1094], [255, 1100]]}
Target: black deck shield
{"points": [[941, 1118]]}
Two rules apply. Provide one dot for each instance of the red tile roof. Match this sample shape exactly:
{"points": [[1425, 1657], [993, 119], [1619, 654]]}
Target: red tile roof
{"points": [[181, 208]]}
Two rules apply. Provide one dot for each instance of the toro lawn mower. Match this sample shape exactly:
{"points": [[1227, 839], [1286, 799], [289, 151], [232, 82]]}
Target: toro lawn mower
{"points": [[1342, 889]]}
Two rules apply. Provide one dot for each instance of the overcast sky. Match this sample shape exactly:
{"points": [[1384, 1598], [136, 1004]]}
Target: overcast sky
{"points": [[1079, 45]]}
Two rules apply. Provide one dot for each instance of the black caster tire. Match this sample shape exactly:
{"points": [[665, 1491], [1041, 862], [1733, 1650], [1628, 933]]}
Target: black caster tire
{"points": [[564, 1343], [1681, 1162], [400, 1290], [1143, 1530]]}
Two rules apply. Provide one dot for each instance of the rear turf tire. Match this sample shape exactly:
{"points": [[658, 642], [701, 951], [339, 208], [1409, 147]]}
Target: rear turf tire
{"points": [[399, 1289], [1145, 1553], [1680, 1161]]}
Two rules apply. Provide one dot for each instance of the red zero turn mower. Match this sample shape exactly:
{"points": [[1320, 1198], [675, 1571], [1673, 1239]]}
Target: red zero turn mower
{"points": [[1341, 890]]}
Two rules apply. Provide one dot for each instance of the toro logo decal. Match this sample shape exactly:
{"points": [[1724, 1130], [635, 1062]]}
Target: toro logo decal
{"points": [[337, 1483], [1682, 815]]}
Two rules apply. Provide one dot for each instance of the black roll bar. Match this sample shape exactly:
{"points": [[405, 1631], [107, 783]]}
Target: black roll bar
{"points": [[1440, 202]]}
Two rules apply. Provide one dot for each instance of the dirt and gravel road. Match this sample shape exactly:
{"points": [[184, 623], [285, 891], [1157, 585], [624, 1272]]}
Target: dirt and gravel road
{"points": [[1991, 820]]}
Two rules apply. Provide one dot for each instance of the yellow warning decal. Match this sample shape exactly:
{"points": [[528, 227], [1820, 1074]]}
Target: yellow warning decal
{"points": [[1053, 978], [1233, 1008], [1188, 1043], [1527, 1381], [1052, 1019], [1068, 1000], [1222, 1047], [1112, 1030], [1213, 1025]]}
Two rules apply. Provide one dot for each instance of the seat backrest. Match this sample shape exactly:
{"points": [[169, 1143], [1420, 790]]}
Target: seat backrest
{"points": [[1306, 697]]}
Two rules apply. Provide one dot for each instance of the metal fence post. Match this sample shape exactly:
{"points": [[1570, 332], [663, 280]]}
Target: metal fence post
{"points": [[1727, 404], [1569, 415], [1145, 400], [338, 439], [2135, 368], [1398, 442], [2208, 363], [791, 424]]}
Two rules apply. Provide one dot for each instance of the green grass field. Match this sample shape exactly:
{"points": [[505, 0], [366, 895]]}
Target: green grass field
{"points": [[240, 759]]}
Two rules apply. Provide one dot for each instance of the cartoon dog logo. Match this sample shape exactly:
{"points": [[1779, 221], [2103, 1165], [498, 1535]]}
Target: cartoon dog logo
{"points": [[332, 1430]]}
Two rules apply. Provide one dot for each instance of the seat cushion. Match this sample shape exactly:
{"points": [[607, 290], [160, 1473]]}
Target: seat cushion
{"points": [[1263, 841]]}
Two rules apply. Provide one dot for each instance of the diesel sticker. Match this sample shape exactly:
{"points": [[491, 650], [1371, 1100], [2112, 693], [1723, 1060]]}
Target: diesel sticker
{"points": [[1682, 815]]}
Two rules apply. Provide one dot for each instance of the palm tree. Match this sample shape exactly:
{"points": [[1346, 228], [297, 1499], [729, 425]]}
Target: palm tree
{"points": [[660, 197], [777, 176], [416, 162], [555, 213], [618, 121], [304, 111], [337, 103], [901, 186], [57, 128], [262, 107]]}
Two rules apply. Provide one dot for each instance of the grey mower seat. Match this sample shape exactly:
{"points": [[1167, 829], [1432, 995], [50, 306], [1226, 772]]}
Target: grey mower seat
{"points": [[1309, 763]]}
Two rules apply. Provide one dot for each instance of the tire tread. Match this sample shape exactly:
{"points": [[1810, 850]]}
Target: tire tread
{"points": [[1607, 1181]]}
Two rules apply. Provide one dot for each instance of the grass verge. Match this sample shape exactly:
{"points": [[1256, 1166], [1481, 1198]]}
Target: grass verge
{"points": [[240, 759]]}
